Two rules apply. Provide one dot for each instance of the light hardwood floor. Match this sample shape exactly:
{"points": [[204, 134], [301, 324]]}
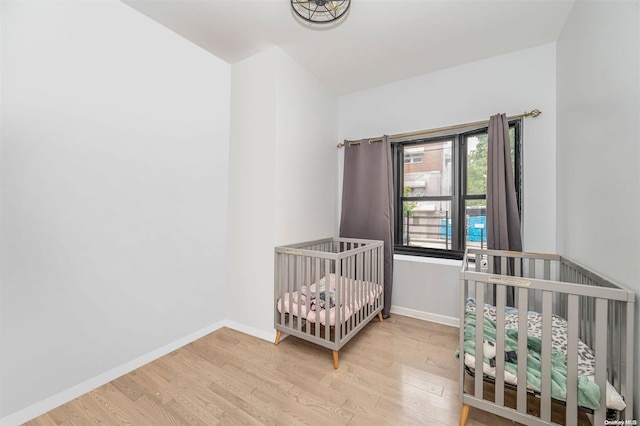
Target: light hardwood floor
{"points": [[397, 372]]}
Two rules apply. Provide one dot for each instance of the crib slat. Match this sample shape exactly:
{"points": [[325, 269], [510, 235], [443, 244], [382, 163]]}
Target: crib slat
{"points": [[369, 286], [601, 358], [361, 289], [308, 268], [501, 301], [545, 385], [356, 290], [308, 301], [572, 360], [547, 269], [592, 315], [583, 319], [532, 293], [369, 279], [380, 261], [479, 339], [347, 323], [366, 279], [297, 286], [613, 344], [464, 294], [628, 365], [339, 302], [276, 288], [489, 287], [523, 295], [532, 268], [280, 271], [285, 268], [307, 281], [353, 290], [327, 319]]}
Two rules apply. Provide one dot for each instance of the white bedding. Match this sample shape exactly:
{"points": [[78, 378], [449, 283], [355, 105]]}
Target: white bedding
{"points": [[361, 293]]}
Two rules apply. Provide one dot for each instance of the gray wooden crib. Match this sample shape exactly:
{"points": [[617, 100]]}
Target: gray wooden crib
{"points": [[326, 291], [562, 329]]}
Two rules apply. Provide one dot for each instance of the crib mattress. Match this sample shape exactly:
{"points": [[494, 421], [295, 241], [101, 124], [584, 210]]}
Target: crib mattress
{"points": [[586, 357], [354, 295]]}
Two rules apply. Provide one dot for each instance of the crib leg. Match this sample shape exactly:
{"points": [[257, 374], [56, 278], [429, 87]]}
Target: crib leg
{"points": [[278, 334], [380, 316], [335, 359], [464, 414]]}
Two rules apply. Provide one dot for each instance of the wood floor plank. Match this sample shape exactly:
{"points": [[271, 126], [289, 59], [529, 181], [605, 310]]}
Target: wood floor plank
{"points": [[115, 413], [324, 410], [76, 409], [237, 417], [126, 411], [164, 413], [360, 399], [128, 386], [397, 411], [288, 411], [44, 420], [269, 379], [245, 402], [200, 348], [194, 367], [198, 398], [400, 371], [191, 414], [150, 383]]}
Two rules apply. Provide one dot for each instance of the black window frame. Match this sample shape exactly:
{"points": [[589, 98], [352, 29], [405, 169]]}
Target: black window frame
{"points": [[458, 197]]}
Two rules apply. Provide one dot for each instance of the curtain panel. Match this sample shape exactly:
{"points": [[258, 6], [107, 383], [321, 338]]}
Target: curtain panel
{"points": [[367, 201]]}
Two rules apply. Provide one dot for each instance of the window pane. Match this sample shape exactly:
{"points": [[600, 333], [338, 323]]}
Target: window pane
{"points": [[476, 220], [427, 224], [477, 161], [477, 164], [427, 169]]}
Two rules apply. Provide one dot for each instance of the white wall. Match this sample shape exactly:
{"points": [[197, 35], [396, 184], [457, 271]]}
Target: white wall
{"points": [[598, 55], [307, 129], [282, 177], [114, 193], [426, 288], [512, 84]]}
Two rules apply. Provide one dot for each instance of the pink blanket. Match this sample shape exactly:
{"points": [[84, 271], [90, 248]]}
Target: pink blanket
{"points": [[353, 295]]}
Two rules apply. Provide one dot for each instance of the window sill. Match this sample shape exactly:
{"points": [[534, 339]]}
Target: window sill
{"points": [[430, 260]]}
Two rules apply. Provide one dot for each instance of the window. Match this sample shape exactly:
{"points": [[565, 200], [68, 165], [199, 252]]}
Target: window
{"points": [[413, 155], [441, 191]]}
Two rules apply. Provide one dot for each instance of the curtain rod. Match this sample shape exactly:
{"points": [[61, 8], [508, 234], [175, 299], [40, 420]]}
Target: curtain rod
{"points": [[532, 113]]}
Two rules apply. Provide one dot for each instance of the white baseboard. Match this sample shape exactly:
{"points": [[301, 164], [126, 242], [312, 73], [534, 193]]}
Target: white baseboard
{"points": [[427, 316], [67, 395], [269, 336]]}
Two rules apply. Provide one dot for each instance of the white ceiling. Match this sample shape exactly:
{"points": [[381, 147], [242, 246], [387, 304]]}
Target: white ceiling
{"points": [[380, 41]]}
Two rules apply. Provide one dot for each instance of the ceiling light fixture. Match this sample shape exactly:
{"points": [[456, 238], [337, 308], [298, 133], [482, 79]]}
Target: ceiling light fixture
{"points": [[320, 11]]}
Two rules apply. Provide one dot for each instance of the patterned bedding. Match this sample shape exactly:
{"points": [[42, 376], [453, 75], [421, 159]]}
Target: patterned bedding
{"points": [[354, 295], [586, 358]]}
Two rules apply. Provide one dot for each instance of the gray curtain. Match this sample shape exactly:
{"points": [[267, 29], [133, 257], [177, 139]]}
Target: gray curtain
{"points": [[367, 201], [503, 219]]}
